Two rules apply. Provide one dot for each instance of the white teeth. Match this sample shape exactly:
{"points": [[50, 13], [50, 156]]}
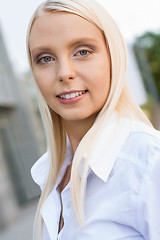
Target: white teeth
{"points": [[71, 95], [67, 96]]}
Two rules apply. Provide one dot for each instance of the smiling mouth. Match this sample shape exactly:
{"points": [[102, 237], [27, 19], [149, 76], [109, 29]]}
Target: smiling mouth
{"points": [[71, 95]]}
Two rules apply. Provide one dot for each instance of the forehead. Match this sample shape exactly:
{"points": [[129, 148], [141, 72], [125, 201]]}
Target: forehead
{"points": [[55, 27]]}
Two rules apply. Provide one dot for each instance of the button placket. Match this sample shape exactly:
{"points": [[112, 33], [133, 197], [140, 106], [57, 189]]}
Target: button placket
{"points": [[66, 201]]}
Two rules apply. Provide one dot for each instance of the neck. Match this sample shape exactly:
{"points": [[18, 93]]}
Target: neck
{"points": [[76, 130]]}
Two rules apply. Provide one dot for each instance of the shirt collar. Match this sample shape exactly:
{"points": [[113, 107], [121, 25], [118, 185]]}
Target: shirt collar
{"points": [[109, 144], [40, 169], [103, 155]]}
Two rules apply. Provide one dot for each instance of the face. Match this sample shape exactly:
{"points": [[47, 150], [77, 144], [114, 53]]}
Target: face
{"points": [[71, 65]]}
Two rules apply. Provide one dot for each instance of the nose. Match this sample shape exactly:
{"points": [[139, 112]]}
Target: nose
{"points": [[66, 70]]}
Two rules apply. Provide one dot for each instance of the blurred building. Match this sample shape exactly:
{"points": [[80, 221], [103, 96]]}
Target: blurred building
{"points": [[150, 84], [134, 78], [20, 142]]}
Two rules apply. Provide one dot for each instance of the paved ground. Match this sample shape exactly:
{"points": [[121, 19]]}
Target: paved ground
{"points": [[22, 227]]}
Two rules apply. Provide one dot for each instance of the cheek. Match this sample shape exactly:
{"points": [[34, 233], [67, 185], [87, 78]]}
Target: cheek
{"points": [[43, 80], [40, 82], [105, 78], [100, 71], [100, 79], [101, 82]]}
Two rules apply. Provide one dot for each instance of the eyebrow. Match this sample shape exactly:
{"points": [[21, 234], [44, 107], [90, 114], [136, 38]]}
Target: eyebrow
{"points": [[80, 41], [83, 41]]}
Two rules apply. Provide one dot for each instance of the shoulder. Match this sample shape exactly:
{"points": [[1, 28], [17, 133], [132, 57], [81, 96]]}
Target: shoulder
{"points": [[138, 163], [137, 170], [40, 169], [139, 156], [142, 145], [143, 151]]}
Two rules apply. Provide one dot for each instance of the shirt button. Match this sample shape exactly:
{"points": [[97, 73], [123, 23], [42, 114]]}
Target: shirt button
{"points": [[69, 204]]}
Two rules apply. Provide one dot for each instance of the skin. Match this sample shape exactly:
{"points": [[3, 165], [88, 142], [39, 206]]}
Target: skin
{"points": [[69, 54]]}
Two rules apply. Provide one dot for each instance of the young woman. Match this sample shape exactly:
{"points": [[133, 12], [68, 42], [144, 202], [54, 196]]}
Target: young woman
{"points": [[100, 177]]}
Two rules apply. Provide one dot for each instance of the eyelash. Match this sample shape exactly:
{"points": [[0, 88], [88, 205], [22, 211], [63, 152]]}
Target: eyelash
{"points": [[42, 61], [84, 50]]}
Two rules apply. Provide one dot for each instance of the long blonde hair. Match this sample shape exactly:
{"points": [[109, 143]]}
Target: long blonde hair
{"points": [[119, 99]]}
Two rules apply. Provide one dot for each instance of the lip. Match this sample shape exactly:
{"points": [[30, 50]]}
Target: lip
{"points": [[71, 100]]}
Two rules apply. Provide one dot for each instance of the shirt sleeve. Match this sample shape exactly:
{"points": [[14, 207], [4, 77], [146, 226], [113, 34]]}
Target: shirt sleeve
{"points": [[148, 214]]}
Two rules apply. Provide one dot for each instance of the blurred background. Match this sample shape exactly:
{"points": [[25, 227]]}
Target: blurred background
{"points": [[21, 133]]}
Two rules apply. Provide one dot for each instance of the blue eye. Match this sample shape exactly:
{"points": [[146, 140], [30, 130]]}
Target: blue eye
{"points": [[46, 59], [83, 52]]}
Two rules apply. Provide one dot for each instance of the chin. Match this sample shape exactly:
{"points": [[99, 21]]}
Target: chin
{"points": [[79, 118], [74, 119]]}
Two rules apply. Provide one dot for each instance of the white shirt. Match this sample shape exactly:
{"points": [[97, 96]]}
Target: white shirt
{"points": [[123, 189]]}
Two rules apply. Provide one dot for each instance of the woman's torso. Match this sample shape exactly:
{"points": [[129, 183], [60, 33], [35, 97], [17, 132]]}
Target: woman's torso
{"points": [[126, 206]]}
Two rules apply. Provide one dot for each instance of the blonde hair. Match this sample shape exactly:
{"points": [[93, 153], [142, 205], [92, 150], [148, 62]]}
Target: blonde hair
{"points": [[119, 99]]}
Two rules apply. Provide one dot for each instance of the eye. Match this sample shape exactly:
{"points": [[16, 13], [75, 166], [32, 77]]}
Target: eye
{"points": [[82, 53], [45, 59]]}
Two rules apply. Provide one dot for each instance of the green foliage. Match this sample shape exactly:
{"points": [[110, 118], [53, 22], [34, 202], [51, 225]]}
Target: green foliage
{"points": [[148, 46]]}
